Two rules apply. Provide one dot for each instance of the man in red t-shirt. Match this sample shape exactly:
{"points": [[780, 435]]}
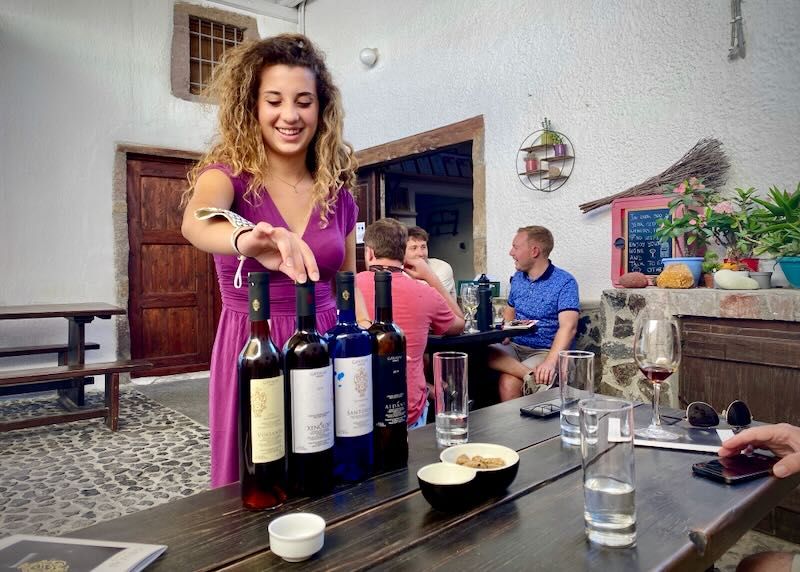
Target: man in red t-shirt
{"points": [[416, 308]]}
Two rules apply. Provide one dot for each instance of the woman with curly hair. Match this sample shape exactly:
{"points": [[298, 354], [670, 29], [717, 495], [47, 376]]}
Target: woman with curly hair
{"points": [[272, 193]]}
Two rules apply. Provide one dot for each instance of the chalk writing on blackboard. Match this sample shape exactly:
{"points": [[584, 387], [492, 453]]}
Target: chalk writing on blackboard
{"points": [[645, 252]]}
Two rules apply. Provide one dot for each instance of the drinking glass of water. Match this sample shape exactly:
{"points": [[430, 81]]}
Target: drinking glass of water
{"points": [[606, 432], [450, 389], [576, 381]]}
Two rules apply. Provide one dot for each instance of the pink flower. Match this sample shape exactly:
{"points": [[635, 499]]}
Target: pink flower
{"points": [[724, 207], [693, 222], [681, 189], [695, 184]]}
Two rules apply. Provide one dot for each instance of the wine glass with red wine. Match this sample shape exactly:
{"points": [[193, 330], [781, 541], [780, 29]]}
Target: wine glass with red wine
{"points": [[657, 351]]}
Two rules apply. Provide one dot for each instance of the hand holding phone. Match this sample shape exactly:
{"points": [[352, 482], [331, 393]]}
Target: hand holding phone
{"points": [[736, 469], [541, 410]]}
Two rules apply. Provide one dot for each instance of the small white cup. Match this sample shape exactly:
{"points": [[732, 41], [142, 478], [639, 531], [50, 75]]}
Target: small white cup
{"points": [[297, 537]]}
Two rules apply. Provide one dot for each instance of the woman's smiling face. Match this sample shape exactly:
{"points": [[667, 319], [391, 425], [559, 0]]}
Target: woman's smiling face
{"points": [[288, 109]]}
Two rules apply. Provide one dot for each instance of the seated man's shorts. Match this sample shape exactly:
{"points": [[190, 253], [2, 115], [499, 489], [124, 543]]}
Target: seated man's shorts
{"points": [[530, 358]]}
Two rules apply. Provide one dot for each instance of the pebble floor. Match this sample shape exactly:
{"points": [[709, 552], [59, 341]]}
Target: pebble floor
{"points": [[58, 478]]}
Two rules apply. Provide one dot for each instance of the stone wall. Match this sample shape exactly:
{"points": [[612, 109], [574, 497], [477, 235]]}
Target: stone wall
{"points": [[607, 328]]}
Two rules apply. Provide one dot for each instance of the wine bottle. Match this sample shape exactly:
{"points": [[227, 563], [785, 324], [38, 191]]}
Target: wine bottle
{"points": [[262, 445], [351, 349], [389, 381], [309, 402]]}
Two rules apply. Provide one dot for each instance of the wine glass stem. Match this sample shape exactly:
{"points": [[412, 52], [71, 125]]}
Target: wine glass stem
{"points": [[656, 422]]}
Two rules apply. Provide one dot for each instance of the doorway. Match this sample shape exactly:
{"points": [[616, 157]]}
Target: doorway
{"points": [[173, 297], [434, 180]]}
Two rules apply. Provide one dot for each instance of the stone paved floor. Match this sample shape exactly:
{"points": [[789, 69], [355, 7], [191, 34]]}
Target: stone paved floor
{"points": [[58, 478]]}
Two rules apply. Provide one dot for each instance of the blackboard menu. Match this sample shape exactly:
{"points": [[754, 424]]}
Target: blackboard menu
{"points": [[645, 251]]}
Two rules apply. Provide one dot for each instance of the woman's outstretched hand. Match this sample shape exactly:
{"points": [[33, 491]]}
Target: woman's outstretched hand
{"points": [[278, 248]]}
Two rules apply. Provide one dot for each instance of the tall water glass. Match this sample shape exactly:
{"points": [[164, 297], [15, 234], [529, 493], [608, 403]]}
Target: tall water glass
{"points": [[450, 389], [576, 380], [609, 484]]}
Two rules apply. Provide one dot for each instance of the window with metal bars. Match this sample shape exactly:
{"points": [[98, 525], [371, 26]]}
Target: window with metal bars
{"points": [[200, 36], [208, 40]]}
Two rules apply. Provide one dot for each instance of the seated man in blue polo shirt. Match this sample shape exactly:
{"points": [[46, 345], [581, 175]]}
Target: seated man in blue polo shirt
{"points": [[539, 291]]}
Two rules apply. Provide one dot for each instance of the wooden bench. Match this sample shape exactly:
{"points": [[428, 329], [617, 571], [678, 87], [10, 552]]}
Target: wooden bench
{"points": [[110, 370], [60, 349]]}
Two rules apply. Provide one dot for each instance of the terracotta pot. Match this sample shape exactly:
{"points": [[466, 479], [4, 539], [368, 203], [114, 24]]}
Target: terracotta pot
{"points": [[708, 280]]}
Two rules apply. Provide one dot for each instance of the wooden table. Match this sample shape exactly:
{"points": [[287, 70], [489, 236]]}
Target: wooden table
{"points": [[482, 387], [684, 522], [77, 315]]}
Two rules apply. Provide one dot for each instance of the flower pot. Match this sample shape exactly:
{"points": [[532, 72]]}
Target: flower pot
{"points": [[560, 149], [695, 264], [751, 263], [791, 269], [708, 279], [531, 165], [763, 279]]}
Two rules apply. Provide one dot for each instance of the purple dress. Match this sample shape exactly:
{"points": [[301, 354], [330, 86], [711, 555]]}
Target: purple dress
{"points": [[328, 246]]}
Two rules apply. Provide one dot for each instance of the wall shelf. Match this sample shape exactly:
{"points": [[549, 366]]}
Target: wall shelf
{"points": [[538, 180]]}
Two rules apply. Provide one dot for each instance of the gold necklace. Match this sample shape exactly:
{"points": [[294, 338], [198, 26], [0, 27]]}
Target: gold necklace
{"points": [[284, 181]]}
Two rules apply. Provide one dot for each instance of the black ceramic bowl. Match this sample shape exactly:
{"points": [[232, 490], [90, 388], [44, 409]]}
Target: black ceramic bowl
{"points": [[490, 481], [448, 487]]}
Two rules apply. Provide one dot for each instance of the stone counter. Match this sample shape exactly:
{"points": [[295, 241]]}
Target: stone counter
{"points": [[613, 321]]}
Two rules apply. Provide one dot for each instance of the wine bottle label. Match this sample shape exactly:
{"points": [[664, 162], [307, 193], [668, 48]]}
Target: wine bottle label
{"points": [[266, 419], [391, 384], [352, 388], [312, 409]]}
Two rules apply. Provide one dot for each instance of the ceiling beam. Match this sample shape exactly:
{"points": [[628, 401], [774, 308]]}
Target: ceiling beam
{"points": [[262, 8]]}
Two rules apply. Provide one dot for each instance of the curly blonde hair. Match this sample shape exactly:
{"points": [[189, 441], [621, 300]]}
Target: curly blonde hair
{"points": [[234, 87]]}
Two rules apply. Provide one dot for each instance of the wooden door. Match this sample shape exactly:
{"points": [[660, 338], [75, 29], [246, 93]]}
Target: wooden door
{"points": [[173, 304], [366, 192]]}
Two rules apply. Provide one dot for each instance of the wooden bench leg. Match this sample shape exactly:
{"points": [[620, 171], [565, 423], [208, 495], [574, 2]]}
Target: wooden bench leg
{"points": [[112, 400]]}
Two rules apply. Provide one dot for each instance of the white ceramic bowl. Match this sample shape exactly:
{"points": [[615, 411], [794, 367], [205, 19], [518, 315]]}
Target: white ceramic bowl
{"points": [[296, 537]]}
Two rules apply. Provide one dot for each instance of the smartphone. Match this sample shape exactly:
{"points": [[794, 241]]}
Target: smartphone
{"points": [[736, 469], [542, 410]]}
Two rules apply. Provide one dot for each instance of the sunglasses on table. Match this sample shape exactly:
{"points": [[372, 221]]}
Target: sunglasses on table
{"points": [[701, 414]]}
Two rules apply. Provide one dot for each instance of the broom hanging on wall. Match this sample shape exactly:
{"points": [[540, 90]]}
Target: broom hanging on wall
{"points": [[706, 160]]}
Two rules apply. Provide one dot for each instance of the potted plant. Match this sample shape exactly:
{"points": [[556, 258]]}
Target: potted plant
{"points": [[735, 225], [559, 147], [553, 138], [687, 224], [710, 265], [780, 232]]}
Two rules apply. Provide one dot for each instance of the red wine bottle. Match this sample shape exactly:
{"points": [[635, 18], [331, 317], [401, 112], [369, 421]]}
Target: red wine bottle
{"points": [[262, 444], [389, 381], [309, 402]]}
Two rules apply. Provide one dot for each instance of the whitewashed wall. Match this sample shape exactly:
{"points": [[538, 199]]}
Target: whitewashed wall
{"points": [[76, 78], [634, 83]]}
